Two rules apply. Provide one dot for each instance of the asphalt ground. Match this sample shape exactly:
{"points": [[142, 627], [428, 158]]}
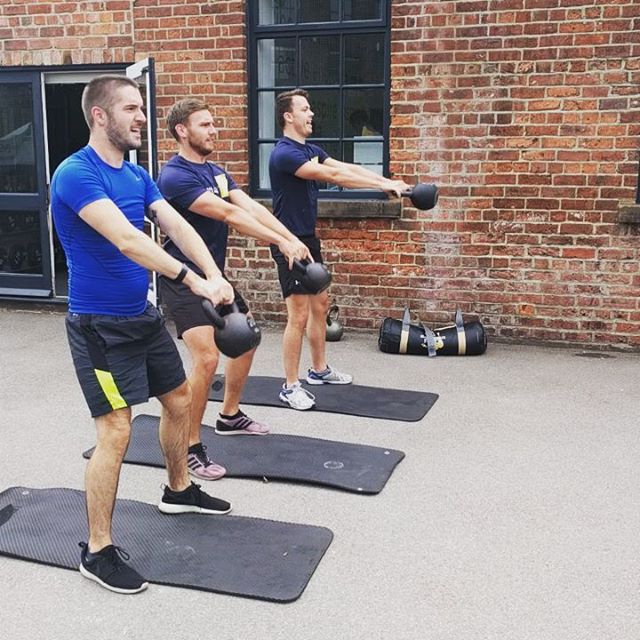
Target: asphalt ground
{"points": [[515, 514]]}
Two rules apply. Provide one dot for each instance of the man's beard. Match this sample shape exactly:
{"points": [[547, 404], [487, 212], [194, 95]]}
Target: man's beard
{"points": [[201, 150], [118, 138]]}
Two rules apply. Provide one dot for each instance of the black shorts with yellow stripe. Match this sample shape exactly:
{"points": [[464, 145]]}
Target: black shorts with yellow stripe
{"points": [[121, 361]]}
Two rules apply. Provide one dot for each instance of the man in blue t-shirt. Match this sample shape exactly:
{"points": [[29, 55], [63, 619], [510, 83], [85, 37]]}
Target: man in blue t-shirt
{"points": [[295, 168], [210, 200], [122, 353]]}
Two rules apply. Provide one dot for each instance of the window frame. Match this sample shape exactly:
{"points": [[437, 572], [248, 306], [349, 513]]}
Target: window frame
{"points": [[257, 32]]}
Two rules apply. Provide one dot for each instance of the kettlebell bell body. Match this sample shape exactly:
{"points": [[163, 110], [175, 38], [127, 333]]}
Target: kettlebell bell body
{"points": [[335, 330]]}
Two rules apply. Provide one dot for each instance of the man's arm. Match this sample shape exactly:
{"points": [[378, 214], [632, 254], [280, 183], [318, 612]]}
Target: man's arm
{"points": [[243, 221], [105, 218], [350, 176], [267, 219]]}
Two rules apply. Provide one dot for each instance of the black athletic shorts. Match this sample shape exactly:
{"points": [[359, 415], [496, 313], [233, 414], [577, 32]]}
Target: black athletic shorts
{"points": [[121, 361], [185, 308], [289, 282]]}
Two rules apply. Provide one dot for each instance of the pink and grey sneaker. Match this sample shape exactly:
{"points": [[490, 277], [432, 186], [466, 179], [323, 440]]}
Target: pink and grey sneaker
{"points": [[201, 466], [240, 424]]}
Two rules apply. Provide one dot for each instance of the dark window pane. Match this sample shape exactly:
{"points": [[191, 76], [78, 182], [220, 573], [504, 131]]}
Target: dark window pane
{"points": [[363, 112], [17, 149], [325, 104], [319, 11], [276, 62], [267, 125], [364, 59], [276, 11], [20, 248], [320, 60], [362, 10]]}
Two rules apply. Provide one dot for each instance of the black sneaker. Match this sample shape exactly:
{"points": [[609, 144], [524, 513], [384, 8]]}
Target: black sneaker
{"points": [[107, 568], [192, 500]]}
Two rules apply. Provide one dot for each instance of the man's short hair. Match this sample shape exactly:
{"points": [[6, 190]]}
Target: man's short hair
{"points": [[283, 103], [100, 92], [180, 112]]}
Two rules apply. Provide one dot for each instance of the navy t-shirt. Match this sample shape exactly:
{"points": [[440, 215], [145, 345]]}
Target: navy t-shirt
{"points": [[182, 182], [101, 279], [295, 200]]}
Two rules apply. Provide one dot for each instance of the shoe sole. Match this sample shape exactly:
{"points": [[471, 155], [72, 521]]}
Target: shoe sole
{"points": [[175, 509], [313, 406], [240, 432], [319, 382], [92, 576], [195, 475]]}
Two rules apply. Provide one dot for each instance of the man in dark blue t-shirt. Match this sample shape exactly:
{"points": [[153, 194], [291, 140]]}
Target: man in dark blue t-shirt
{"points": [[210, 200], [295, 168], [122, 353]]}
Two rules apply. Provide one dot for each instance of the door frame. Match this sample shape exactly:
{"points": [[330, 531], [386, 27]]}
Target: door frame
{"points": [[30, 284]]}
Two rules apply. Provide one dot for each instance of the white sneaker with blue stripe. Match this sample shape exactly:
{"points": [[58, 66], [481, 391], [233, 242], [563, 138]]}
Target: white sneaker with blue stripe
{"points": [[328, 376]]}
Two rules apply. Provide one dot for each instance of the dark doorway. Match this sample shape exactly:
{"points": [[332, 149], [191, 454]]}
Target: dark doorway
{"points": [[67, 132]]}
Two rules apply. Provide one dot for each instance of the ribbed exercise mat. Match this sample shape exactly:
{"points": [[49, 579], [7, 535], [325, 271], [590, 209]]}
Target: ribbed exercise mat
{"points": [[352, 467], [348, 399], [227, 554]]}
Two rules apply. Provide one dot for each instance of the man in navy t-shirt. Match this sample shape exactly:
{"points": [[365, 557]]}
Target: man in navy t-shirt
{"points": [[295, 168], [122, 353], [210, 200]]}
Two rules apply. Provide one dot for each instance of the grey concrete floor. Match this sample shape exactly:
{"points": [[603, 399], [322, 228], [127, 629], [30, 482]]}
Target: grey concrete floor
{"points": [[515, 514]]}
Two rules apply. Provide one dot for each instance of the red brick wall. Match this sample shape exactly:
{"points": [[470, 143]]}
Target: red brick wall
{"points": [[59, 32], [525, 112]]}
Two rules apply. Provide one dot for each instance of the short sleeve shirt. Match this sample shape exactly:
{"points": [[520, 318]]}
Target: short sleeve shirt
{"points": [[182, 182], [295, 200], [102, 280]]}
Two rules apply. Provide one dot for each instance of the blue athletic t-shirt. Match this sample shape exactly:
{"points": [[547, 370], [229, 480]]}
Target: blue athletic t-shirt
{"points": [[295, 200], [182, 182], [102, 280]]}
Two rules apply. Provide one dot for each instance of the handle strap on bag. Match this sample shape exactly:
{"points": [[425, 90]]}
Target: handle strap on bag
{"points": [[462, 336]]}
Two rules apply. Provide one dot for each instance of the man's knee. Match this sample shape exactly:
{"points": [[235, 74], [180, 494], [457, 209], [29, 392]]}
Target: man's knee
{"points": [[298, 312], [178, 400], [205, 360], [114, 431]]}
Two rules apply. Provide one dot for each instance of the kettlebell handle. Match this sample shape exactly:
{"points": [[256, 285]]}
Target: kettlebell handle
{"points": [[333, 313], [214, 315]]}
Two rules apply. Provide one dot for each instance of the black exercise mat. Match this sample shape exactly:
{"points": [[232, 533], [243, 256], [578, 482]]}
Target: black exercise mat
{"points": [[348, 399], [353, 467], [227, 554]]}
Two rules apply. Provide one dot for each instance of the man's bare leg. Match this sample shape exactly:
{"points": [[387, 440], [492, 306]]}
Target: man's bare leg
{"points": [[236, 372], [103, 473], [317, 329], [174, 430], [297, 314], [204, 358]]}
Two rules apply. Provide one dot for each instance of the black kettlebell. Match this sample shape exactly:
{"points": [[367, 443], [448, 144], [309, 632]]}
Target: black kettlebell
{"points": [[235, 333], [423, 196], [315, 277], [334, 326]]}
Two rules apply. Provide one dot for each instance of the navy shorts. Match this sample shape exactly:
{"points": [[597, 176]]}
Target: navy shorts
{"points": [[121, 361], [185, 308], [289, 282]]}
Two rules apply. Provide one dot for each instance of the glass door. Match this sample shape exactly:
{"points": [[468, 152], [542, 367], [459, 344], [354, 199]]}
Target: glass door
{"points": [[25, 249]]}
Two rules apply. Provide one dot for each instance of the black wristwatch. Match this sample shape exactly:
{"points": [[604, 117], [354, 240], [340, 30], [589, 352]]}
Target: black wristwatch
{"points": [[182, 275]]}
